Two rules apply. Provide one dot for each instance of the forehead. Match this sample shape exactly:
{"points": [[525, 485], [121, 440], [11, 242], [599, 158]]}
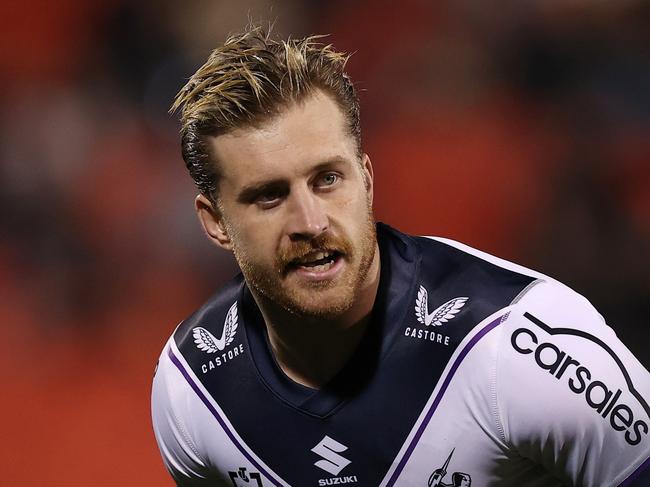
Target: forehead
{"points": [[305, 134]]}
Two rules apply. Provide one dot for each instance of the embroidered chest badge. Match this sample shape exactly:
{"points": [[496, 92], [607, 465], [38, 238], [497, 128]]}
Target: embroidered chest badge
{"points": [[440, 315]]}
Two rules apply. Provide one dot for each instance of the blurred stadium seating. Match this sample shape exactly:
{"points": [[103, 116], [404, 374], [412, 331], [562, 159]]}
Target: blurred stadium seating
{"points": [[522, 130]]}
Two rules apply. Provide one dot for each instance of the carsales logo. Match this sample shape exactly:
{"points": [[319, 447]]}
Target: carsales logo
{"points": [[602, 398]]}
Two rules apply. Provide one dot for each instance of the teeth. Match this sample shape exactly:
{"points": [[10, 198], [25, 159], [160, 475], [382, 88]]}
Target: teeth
{"points": [[321, 268], [313, 257]]}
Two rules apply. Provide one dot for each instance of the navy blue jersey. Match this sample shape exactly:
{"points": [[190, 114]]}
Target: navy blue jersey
{"points": [[473, 372]]}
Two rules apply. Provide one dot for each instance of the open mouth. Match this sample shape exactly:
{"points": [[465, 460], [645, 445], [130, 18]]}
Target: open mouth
{"points": [[320, 261]]}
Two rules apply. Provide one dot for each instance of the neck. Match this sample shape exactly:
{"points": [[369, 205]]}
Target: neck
{"points": [[311, 351]]}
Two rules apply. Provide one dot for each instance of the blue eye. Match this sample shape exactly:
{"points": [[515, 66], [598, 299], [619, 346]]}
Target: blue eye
{"points": [[328, 179]]}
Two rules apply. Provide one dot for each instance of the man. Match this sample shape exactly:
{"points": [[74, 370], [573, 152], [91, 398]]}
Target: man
{"points": [[349, 353]]}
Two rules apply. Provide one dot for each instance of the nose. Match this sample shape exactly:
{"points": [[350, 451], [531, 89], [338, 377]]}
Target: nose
{"points": [[307, 217]]}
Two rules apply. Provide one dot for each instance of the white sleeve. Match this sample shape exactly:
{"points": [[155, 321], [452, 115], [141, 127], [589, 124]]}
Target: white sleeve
{"points": [[179, 452], [570, 395]]}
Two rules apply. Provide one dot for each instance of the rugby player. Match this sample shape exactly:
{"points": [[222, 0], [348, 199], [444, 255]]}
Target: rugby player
{"points": [[347, 352]]}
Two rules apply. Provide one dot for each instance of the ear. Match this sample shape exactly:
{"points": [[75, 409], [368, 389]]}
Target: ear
{"points": [[212, 222], [368, 175]]}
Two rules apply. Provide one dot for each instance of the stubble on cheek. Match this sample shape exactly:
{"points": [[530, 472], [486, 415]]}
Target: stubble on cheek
{"points": [[271, 275]]}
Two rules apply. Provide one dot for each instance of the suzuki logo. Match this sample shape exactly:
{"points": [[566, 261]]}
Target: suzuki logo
{"points": [[329, 449]]}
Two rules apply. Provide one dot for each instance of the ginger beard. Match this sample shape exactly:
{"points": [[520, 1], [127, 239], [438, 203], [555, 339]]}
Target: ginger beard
{"points": [[325, 299]]}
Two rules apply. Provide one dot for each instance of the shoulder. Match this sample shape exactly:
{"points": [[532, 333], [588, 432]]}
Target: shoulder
{"points": [[172, 403], [209, 330], [487, 278], [471, 254], [204, 342], [544, 294], [567, 392], [554, 331], [566, 382]]}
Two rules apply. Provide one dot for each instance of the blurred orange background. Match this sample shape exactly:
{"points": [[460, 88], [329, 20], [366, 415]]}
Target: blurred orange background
{"points": [[520, 128]]}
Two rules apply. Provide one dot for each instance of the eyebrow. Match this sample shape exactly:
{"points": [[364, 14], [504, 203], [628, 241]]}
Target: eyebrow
{"points": [[251, 191]]}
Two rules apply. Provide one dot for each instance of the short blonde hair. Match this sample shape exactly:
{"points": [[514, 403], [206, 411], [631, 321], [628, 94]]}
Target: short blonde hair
{"points": [[250, 79]]}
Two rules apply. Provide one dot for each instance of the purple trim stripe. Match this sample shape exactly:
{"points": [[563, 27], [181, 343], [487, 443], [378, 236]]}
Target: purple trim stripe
{"points": [[436, 402], [221, 421], [634, 475]]}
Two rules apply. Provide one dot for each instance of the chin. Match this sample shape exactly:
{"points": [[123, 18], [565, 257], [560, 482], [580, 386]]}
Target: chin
{"points": [[327, 304]]}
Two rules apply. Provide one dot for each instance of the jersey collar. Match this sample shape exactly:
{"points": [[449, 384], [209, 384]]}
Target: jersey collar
{"points": [[400, 262]]}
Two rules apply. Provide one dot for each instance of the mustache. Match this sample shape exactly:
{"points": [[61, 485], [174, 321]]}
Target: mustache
{"points": [[321, 243]]}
